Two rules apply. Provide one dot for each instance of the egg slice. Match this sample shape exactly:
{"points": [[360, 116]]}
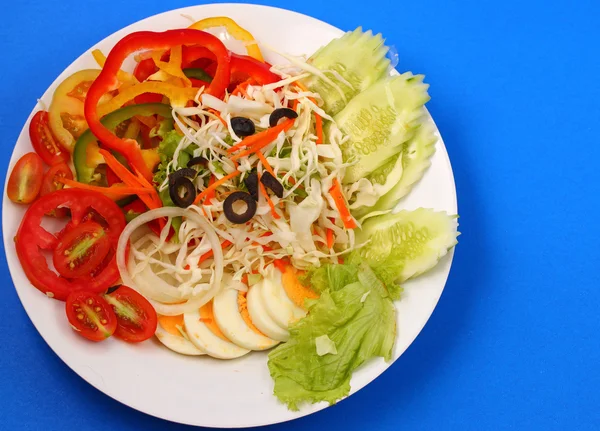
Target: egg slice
{"points": [[205, 334], [260, 317], [295, 290], [278, 305], [231, 314], [168, 333]]}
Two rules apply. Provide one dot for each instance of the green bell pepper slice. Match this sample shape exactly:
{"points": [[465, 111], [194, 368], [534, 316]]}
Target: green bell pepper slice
{"points": [[85, 173]]}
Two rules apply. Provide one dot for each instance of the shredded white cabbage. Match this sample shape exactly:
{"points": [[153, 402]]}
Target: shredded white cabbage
{"points": [[210, 251], [325, 345]]}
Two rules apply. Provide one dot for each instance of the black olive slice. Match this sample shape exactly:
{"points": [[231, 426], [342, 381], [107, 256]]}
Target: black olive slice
{"points": [[237, 218], [272, 183], [280, 113], [242, 126], [182, 192], [251, 182], [181, 173], [197, 161]]}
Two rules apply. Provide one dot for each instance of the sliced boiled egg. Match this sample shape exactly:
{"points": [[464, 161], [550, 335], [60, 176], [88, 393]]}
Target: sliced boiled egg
{"points": [[260, 317], [169, 331], [232, 317], [204, 333], [278, 305], [295, 290]]}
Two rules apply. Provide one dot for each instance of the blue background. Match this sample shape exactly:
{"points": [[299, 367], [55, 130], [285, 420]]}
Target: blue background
{"points": [[514, 342]]}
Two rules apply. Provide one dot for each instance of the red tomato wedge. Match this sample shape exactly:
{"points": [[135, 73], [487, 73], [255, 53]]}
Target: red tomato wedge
{"points": [[136, 318], [32, 239], [81, 250], [90, 315], [44, 142], [25, 179]]}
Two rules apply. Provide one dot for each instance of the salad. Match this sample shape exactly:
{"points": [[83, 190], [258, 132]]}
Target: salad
{"points": [[225, 205]]}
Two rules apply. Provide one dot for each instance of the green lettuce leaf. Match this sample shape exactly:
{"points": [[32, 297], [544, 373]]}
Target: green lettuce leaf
{"points": [[166, 151], [357, 314]]}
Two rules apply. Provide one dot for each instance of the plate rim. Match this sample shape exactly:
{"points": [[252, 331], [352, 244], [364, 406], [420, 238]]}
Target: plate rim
{"points": [[12, 267]]}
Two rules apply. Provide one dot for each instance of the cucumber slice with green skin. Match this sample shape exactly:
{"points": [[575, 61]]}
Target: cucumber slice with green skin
{"points": [[416, 158], [375, 185], [404, 245], [379, 120], [359, 58]]}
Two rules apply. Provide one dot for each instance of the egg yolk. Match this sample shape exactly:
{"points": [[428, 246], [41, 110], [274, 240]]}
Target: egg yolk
{"points": [[170, 324], [294, 289], [243, 307], [208, 318]]}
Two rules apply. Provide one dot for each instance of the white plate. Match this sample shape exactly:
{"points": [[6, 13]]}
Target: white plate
{"points": [[200, 390]]}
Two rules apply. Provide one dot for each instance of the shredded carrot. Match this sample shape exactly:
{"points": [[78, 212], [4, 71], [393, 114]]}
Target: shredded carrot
{"points": [[245, 279], [340, 203], [241, 88], [265, 139], [295, 105], [218, 115], [154, 194], [265, 163], [301, 86], [211, 194], [269, 201], [268, 135], [131, 180], [281, 264], [213, 186], [210, 253], [330, 238], [116, 190], [319, 127]]}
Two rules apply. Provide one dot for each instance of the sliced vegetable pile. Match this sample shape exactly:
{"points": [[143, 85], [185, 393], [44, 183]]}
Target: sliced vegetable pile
{"points": [[225, 204]]}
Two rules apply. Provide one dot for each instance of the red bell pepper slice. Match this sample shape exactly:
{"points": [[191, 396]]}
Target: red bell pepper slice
{"points": [[107, 81], [244, 67]]}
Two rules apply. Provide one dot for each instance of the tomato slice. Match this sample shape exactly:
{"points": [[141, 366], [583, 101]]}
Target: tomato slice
{"points": [[90, 315], [65, 115], [50, 184], [136, 318], [43, 141], [25, 179], [32, 239], [81, 250]]}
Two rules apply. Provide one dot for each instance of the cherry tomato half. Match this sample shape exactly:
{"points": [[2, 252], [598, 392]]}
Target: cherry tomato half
{"points": [[43, 140], [136, 318], [90, 315], [25, 179], [81, 250]]}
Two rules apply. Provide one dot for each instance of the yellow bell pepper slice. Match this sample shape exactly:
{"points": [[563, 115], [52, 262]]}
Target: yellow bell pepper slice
{"points": [[121, 75], [173, 66], [234, 30], [177, 95]]}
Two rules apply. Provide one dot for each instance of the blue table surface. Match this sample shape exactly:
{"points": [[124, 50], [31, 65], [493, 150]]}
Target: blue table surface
{"points": [[514, 342]]}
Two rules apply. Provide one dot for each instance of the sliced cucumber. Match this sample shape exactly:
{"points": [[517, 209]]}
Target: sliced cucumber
{"points": [[404, 245], [416, 155], [375, 185], [359, 58], [379, 120]]}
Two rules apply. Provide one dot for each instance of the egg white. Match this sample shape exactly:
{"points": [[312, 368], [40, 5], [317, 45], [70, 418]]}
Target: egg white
{"points": [[232, 324]]}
